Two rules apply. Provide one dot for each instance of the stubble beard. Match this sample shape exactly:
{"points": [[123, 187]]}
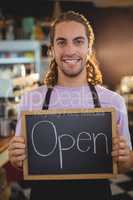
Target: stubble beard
{"points": [[72, 74]]}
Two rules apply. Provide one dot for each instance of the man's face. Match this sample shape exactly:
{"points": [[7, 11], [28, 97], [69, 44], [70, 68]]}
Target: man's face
{"points": [[70, 48]]}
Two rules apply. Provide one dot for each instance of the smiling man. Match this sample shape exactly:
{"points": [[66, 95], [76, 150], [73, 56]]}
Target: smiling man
{"points": [[70, 50], [73, 81]]}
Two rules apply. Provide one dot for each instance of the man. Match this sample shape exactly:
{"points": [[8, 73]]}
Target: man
{"points": [[74, 82]]}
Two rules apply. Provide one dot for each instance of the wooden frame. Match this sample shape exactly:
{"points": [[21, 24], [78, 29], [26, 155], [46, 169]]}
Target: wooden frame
{"points": [[28, 176]]}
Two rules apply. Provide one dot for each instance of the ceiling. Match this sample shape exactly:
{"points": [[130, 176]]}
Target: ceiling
{"points": [[45, 7], [97, 3], [105, 3]]}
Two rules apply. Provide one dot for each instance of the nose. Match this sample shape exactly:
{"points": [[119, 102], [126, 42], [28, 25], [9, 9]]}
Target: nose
{"points": [[69, 49]]}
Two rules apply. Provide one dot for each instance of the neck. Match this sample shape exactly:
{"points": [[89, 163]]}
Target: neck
{"points": [[72, 81]]}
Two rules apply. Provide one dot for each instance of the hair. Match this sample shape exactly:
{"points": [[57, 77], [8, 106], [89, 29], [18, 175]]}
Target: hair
{"points": [[94, 75]]}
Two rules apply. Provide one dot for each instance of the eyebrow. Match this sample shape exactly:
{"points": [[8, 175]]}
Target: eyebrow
{"points": [[79, 38], [60, 38], [76, 38]]}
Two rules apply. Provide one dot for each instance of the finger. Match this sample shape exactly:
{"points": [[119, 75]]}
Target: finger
{"points": [[16, 141], [119, 143], [18, 159], [122, 138], [115, 153], [115, 158], [115, 147], [17, 152], [118, 158], [17, 146], [123, 152], [19, 141], [115, 140], [124, 147], [123, 158]]}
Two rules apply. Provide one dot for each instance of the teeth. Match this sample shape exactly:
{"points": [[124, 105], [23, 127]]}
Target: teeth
{"points": [[71, 61]]}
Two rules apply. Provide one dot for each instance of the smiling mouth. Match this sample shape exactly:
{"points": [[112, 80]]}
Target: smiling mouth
{"points": [[71, 61]]}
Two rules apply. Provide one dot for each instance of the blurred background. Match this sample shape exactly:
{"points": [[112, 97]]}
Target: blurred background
{"points": [[24, 41]]}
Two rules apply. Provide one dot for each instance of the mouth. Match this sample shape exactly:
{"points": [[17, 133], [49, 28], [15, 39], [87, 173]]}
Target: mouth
{"points": [[71, 61]]}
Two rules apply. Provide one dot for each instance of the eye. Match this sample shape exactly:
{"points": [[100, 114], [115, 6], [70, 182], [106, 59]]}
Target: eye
{"points": [[79, 42], [61, 43]]}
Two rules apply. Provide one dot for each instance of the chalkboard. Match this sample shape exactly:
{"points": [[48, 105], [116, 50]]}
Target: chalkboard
{"points": [[69, 144]]}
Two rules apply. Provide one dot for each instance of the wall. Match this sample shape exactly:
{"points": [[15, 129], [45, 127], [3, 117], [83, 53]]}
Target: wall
{"points": [[114, 43], [113, 29]]}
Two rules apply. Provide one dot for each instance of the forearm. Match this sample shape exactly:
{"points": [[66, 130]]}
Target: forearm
{"points": [[123, 167]]}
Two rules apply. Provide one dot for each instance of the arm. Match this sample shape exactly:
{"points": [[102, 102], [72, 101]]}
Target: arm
{"points": [[17, 152], [16, 148], [122, 146], [122, 154]]}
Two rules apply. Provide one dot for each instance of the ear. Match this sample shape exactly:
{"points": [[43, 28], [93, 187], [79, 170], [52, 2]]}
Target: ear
{"points": [[51, 52]]}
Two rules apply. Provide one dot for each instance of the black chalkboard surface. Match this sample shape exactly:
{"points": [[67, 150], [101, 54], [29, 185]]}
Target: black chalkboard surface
{"points": [[69, 144]]}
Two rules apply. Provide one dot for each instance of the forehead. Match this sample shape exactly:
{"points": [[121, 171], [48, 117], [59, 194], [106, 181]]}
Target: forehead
{"points": [[70, 28]]}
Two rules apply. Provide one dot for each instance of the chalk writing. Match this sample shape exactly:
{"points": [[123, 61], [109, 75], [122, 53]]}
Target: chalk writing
{"points": [[59, 139]]}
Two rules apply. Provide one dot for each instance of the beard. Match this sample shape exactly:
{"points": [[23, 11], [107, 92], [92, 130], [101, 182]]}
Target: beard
{"points": [[72, 72]]}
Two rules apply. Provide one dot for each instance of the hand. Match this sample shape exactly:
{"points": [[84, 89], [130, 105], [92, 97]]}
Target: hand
{"points": [[17, 152], [121, 151]]}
